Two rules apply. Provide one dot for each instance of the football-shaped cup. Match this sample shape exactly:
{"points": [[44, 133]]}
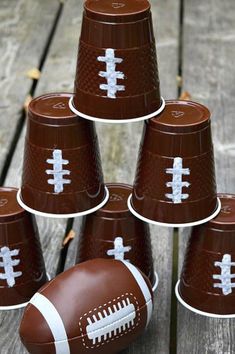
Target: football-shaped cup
{"points": [[99, 306]]}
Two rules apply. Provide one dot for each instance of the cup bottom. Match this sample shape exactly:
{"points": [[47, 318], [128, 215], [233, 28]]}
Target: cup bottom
{"points": [[57, 216], [19, 306], [117, 121], [193, 309], [189, 224]]}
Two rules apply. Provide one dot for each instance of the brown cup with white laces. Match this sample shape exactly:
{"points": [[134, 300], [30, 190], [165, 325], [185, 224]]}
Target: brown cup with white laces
{"points": [[175, 182], [22, 268], [114, 233], [207, 282], [62, 173], [117, 77]]}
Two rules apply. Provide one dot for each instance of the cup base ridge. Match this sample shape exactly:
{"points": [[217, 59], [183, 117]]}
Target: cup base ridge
{"points": [[117, 121], [194, 223], [65, 216], [193, 309]]}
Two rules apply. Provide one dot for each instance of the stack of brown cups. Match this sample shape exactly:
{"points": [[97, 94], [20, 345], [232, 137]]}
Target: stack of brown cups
{"points": [[207, 284], [22, 269], [114, 233], [62, 174], [117, 73], [175, 177], [117, 81]]}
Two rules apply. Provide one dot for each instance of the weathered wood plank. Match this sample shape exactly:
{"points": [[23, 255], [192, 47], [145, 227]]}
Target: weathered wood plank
{"points": [[24, 58], [209, 76], [119, 146], [51, 234], [58, 75], [24, 29]]}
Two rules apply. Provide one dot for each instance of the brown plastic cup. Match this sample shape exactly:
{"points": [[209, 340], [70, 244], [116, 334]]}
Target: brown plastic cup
{"points": [[175, 177], [22, 269], [114, 233], [117, 72], [62, 174], [207, 282]]}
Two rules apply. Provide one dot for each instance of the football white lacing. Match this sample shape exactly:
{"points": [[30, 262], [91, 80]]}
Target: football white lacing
{"points": [[111, 75], [112, 322], [225, 277], [177, 183]]}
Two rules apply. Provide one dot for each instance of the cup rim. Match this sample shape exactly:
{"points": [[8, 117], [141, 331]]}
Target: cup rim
{"points": [[19, 306], [189, 224], [13, 307], [193, 309], [156, 282], [117, 121], [63, 216]]}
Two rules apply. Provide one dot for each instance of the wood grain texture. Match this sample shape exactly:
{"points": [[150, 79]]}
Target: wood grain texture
{"points": [[209, 76], [29, 18], [24, 29]]}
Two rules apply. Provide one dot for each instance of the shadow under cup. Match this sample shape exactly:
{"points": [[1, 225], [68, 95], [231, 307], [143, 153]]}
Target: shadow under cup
{"points": [[117, 72], [22, 268], [207, 284], [62, 173], [175, 177]]}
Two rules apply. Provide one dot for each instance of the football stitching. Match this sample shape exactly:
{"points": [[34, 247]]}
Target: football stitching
{"points": [[117, 336]]}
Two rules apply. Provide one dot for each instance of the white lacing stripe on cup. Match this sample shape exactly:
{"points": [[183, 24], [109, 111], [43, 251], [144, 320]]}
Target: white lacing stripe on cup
{"points": [[143, 287], [111, 75], [119, 250], [177, 183], [226, 276], [8, 264], [54, 321], [58, 180]]}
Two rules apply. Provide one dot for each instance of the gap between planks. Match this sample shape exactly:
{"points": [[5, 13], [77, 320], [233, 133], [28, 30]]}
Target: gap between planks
{"points": [[11, 175], [21, 121]]}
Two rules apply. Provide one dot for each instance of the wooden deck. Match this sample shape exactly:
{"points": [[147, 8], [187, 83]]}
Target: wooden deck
{"points": [[196, 51]]}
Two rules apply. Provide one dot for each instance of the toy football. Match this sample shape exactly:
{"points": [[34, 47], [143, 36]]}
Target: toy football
{"points": [[99, 306]]}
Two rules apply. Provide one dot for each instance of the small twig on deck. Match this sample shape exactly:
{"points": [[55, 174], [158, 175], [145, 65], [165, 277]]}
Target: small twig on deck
{"points": [[34, 74], [71, 235], [185, 96]]}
